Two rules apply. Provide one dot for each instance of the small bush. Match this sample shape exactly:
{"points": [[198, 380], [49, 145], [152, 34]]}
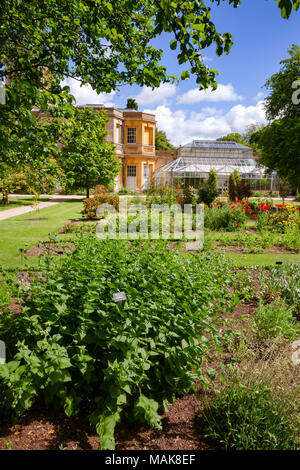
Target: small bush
{"points": [[248, 418], [69, 228], [189, 195], [161, 195], [206, 195], [275, 319], [282, 282], [99, 189], [92, 203], [224, 218]]}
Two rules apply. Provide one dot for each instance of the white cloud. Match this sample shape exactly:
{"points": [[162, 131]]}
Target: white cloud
{"points": [[158, 95], [86, 95], [222, 93], [182, 128], [259, 96], [207, 59]]}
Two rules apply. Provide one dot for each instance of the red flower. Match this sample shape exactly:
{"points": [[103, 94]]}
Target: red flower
{"points": [[254, 215], [237, 224]]}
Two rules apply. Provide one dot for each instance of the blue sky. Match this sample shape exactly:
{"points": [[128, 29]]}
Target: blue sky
{"points": [[261, 39]]}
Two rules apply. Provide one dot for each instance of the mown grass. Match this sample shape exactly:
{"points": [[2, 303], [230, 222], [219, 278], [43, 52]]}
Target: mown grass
{"points": [[17, 232], [250, 260]]}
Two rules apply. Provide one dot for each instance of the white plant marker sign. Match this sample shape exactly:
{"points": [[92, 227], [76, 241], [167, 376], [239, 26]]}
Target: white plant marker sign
{"points": [[119, 296]]}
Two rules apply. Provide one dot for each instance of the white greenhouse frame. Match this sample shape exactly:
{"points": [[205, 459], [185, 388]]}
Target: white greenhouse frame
{"points": [[199, 157]]}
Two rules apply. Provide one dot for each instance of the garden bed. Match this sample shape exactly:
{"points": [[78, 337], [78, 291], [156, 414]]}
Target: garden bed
{"points": [[59, 248], [182, 427]]}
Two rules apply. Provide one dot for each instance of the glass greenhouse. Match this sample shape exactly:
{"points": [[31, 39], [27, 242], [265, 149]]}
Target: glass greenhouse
{"points": [[197, 158]]}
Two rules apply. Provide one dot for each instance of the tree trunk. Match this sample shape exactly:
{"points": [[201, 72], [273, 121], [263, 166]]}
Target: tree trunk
{"points": [[4, 199], [87, 192]]}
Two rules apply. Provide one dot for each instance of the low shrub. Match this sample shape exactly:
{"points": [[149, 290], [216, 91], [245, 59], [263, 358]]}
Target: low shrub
{"points": [[92, 203], [248, 418], [206, 195], [8, 289], [275, 319], [225, 217], [286, 216], [124, 191], [282, 282], [189, 195], [69, 228], [161, 195]]}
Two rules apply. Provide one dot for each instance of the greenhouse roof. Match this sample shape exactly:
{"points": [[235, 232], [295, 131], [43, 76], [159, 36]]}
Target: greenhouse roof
{"points": [[198, 166], [215, 144]]}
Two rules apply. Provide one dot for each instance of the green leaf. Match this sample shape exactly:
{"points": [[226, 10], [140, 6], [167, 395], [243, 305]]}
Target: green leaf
{"points": [[173, 44], [146, 410], [185, 75], [106, 428]]}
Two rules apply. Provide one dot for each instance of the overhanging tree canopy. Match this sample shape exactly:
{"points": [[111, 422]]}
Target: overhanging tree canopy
{"points": [[42, 42]]}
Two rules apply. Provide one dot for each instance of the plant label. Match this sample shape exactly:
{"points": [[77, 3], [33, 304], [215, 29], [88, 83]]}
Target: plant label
{"points": [[2, 352], [119, 296]]}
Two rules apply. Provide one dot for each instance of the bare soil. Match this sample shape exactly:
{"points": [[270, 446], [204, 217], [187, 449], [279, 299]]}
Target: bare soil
{"points": [[51, 248]]}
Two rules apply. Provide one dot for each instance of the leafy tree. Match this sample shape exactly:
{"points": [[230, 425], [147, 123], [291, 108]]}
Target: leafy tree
{"points": [[234, 180], [212, 181], [280, 144], [41, 43], [234, 137], [280, 102], [9, 182], [250, 135], [208, 190], [132, 104], [86, 159], [162, 142], [287, 5], [279, 141], [284, 189]]}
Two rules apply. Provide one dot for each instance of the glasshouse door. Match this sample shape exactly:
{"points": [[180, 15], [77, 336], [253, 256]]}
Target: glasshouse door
{"points": [[131, 177]]}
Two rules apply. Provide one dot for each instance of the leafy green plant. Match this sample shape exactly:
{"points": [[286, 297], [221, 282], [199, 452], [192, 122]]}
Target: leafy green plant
{"points": [[9, 444], [92, 203], [282, 282], [73, 345], [206, 195], [8, 289], [275, 319], [189, 195], [248, 418], [224, 218], [161, 195]]}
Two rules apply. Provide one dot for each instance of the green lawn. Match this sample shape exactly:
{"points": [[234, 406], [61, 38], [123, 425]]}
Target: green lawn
{"points": [[17, 202], [17, 232], [261, 259]]}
